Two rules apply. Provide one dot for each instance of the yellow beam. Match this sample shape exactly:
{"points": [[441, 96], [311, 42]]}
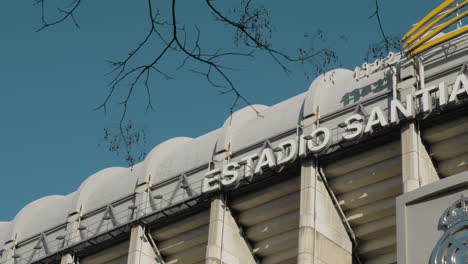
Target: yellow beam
{"points": [[435, 21], [428, 17], [437, 30], [434, 42]]}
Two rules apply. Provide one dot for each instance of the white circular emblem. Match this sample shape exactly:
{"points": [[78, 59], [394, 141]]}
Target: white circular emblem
{"points": [[452, 247]]}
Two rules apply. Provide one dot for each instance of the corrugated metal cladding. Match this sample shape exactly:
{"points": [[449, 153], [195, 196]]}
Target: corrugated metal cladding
{"points": [[363, 179]]}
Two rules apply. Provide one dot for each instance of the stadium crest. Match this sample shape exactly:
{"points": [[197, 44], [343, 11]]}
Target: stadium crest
{"points": [[452, 247]]}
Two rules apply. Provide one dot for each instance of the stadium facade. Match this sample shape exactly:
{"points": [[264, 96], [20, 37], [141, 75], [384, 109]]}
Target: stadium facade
{"points": [[367, 166]]}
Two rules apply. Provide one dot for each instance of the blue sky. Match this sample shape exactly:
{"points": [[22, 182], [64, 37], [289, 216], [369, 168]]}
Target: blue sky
{"points": [[51, 81]]}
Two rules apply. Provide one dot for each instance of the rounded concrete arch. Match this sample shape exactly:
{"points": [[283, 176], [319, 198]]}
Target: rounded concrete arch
{"points": [[160, 161], [39, 216], [329, 92], [237, 121], [5, 231], [103, 188]]}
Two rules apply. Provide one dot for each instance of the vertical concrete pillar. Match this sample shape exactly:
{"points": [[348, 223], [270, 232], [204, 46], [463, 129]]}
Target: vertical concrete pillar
{"points": [[73, 234], [225, 242], [306, 215], [322, 236], [143, 199], [417, 166], [141, 251], [67, 259], [410, 167]]}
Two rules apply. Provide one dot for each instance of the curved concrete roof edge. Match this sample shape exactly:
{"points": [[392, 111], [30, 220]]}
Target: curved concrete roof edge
{"points": [[327, 93]]}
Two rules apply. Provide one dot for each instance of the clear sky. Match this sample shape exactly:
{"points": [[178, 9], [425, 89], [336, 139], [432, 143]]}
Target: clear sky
{"points": [[50, 81]]}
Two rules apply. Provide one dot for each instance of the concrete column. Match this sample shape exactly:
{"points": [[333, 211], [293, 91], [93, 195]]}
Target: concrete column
{"points": [[417, 167], [67, 259], [225, 242], [322, 236], [73, 234], [140, 250], [306, 215], [143, 199]]}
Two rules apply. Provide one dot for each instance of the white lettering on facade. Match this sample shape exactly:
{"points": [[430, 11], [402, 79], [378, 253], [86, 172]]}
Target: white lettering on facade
{"points": [[458, 90], [287, 152], [230, 177], [376, 118], [249, 165], [354, 127], [266, 160], [211, 181], [397, 107], [319, 140]]}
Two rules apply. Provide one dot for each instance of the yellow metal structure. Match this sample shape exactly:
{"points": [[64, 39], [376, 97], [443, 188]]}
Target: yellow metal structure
{"points": [[434, 22], [434, 42], [421, 36], [431, 15]]}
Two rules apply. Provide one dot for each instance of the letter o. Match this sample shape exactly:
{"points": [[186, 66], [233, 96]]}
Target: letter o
{"points": [[325, 142]]}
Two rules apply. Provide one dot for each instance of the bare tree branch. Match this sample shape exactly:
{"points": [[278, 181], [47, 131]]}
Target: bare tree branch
{"points": [[65, 14], [377, 15], [252, 36], [383, 47]]}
